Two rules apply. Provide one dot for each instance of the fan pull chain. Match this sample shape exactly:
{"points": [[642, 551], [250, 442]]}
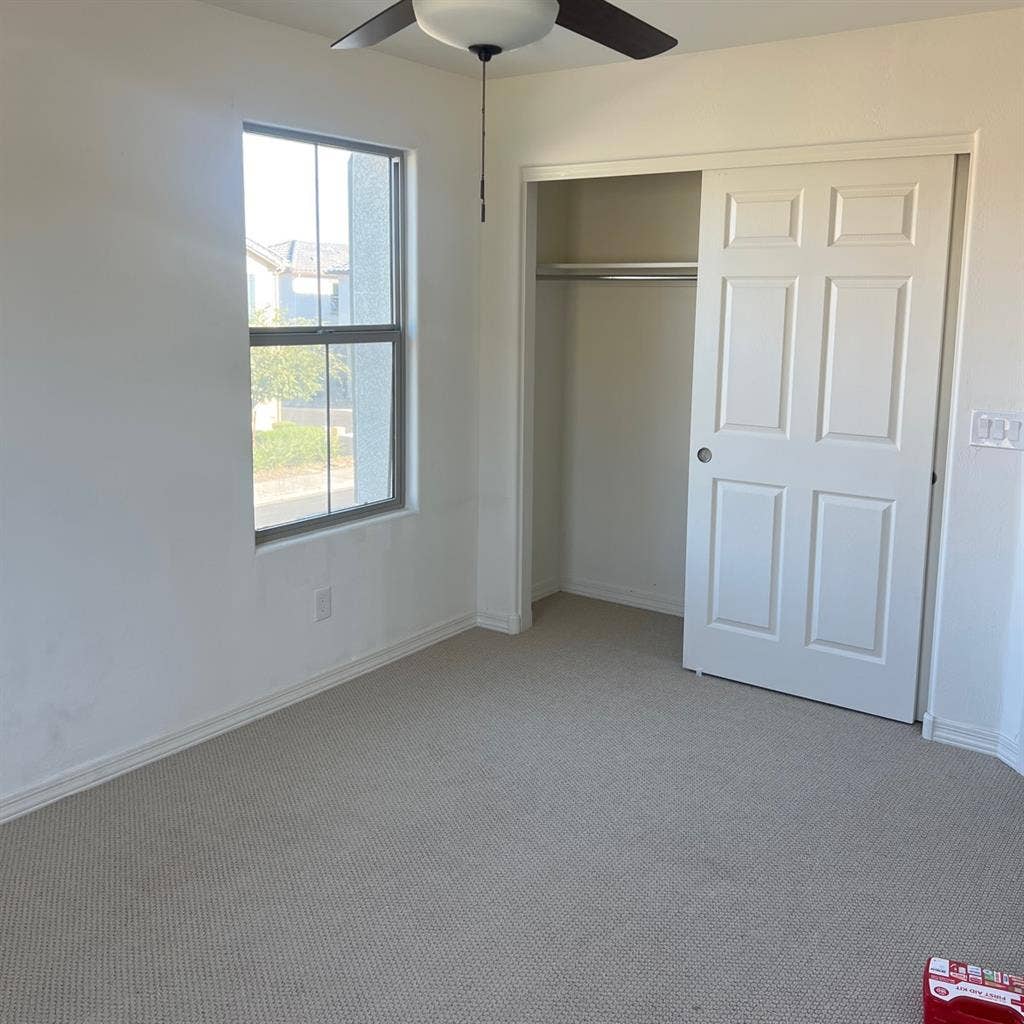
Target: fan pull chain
{"points": [[483, 146], [484, 52]]}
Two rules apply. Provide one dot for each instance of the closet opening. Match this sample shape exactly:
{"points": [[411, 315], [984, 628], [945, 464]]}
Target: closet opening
{"points": [[616, 262]]}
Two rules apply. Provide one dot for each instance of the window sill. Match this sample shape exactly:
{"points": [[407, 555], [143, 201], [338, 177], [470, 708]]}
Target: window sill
{"points": [[319, 531]]}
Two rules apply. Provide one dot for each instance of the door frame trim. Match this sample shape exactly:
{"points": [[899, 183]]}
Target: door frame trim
{"points": [[830, 152], [953, 144]]}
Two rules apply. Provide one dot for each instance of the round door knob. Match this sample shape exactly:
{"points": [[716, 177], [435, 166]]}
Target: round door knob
{"points": [[703, 454]]}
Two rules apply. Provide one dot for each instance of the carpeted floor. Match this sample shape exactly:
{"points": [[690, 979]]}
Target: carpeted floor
{"points": [[558, 827]]}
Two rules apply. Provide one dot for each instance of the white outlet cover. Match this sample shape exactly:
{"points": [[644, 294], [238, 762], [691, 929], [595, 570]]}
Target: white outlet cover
{"points": [[997, 429], [322, 604]]}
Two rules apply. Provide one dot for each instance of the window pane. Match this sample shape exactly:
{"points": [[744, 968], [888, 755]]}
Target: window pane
{"points": [[362, 450], [335, 277], [280, 231], [370, 238], [289, 433]]}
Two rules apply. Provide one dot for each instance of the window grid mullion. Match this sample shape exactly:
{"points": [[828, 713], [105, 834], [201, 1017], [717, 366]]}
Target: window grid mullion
{"points": [[290, 337], [316, 221], [327, 416]]}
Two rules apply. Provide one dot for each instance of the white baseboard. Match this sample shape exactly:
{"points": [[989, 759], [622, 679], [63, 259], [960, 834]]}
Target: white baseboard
{"points": [[545, 588], [511, 624], [103, 769], [971, 737], [651, 601]]}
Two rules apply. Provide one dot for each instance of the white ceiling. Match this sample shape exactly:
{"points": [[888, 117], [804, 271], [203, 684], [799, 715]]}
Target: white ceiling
{"points": [[697, 24]]}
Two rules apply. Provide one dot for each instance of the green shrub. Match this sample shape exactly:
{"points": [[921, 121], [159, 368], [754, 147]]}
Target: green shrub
{"points": [[288, 444]]}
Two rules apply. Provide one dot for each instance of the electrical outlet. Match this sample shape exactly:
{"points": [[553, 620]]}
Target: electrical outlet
{"points": [[322, 604]]}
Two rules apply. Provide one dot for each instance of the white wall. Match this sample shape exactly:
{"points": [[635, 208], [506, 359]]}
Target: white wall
{"points": [[611, 431], [1012, 730], [628, 366], [549, 436], [925, 78], [133, 602]]}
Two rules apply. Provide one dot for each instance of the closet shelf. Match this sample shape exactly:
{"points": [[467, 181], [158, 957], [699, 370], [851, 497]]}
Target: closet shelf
{"points": [[632, 271]]}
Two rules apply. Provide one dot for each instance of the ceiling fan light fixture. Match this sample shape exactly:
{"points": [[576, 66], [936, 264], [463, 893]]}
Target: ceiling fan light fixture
{"points": [[466, 23], [489, 27]]}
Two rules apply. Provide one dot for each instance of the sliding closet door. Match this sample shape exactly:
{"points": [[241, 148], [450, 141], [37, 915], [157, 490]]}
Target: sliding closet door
{"points": [[816, 367]]}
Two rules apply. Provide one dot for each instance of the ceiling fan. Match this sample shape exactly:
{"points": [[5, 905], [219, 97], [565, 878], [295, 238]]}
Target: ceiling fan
{"points": [[489, 27]]}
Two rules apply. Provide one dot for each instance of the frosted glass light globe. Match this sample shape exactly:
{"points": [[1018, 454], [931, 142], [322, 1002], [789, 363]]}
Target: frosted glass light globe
{"points": [[505, 23]]}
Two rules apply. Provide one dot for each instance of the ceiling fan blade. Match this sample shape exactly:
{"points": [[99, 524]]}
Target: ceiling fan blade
{"points": [[379, 27], [613, 27]]}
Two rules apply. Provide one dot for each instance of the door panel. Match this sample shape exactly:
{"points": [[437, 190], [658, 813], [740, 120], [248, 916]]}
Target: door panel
{"points": [[747, 531], [819, 326], [865, 338], [850, 574], [756, 352], [756, 220], [874, 215]]}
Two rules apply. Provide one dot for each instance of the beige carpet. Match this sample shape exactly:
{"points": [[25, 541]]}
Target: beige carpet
{"points": [[563, 827]]}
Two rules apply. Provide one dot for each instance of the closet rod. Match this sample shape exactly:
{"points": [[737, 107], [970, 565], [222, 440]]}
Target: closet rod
{"points": [[617, 277]]}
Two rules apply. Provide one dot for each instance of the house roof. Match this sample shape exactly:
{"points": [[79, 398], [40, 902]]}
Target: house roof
{"points": [[299, 257], [260, 252]]}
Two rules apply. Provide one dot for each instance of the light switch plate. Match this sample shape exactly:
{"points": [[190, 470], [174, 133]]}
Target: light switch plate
{"points": [[997, 429]]}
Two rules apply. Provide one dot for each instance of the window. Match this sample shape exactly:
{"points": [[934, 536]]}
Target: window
{"points": [[323, 266]]}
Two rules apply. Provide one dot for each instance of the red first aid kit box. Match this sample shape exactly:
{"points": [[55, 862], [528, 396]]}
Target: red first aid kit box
{"points": [[960, 993]]}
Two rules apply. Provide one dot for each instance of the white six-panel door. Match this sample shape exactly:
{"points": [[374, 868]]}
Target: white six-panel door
{"points": [[816, 366]]}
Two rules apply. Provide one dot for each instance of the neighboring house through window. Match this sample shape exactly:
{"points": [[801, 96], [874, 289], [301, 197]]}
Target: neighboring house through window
{"points": [[284, 281], [322, 247]]}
